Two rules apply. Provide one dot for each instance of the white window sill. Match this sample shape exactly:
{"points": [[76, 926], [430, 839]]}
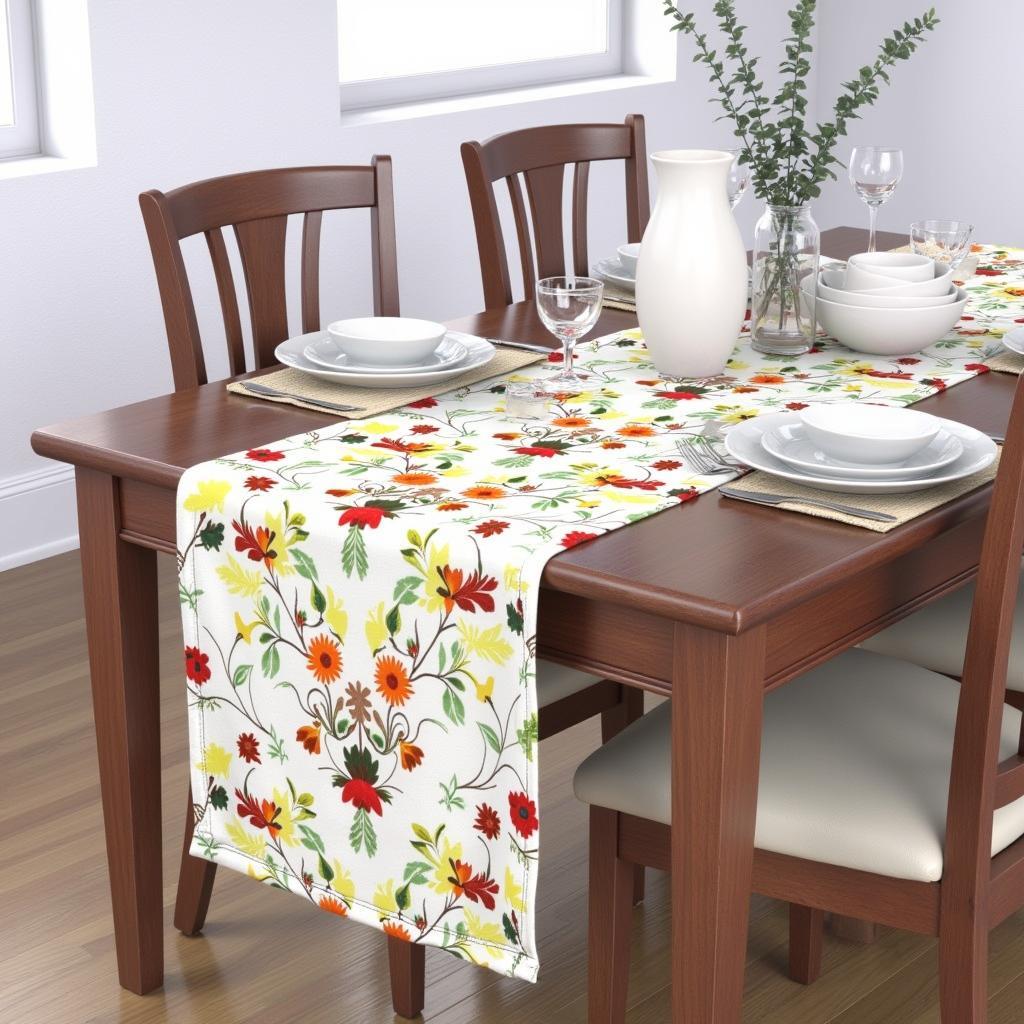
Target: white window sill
{"points": [[499, 98], [23, 166]]}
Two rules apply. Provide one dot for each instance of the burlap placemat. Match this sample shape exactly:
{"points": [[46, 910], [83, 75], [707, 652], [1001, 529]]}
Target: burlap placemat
{"points": [[618, 298], [903, 506], [373, 401], [1007, 362]]}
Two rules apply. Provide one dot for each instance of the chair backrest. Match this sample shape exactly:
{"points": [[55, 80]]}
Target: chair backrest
{"points": [[257, 205], [541, 155], [978, 783]]}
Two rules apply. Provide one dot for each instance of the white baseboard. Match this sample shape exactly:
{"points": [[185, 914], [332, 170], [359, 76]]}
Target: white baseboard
{"points": [[37, 515]]}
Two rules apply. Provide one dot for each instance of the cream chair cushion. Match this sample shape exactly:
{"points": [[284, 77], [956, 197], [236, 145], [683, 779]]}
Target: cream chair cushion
{"points": [[556, 681], [936, 636], [855, 762]]}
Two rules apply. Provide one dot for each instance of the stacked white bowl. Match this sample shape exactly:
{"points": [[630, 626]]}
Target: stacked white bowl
{"points": [[887, 303]]}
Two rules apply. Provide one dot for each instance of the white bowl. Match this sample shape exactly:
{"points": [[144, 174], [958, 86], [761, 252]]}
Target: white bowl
{"points": [[857, 279], [888, 332], [628, 255], [873, 434], [906, 266], [830, 286], [386, 340]]}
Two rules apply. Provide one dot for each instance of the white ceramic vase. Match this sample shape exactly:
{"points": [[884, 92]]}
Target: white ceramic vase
{"points": [[691, 279]]}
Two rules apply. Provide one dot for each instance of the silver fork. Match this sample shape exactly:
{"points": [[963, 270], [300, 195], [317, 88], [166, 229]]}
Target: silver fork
{"points": [[702, 458], [761, 498]]}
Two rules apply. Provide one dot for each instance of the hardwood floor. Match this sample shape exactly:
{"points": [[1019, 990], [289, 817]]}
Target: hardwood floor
{"points": [[265, 958]]}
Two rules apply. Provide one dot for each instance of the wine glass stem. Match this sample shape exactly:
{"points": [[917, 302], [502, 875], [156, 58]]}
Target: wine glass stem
{"points": [[872, 219], [568, 344]]}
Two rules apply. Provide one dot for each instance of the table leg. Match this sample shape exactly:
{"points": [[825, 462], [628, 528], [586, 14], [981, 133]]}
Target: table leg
{"points": [[119, 581], [717, 702]]}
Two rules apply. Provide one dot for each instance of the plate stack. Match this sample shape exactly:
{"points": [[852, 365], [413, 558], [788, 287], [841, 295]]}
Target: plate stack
{"points": [[618, 273], [385, 352], [865, 449]]}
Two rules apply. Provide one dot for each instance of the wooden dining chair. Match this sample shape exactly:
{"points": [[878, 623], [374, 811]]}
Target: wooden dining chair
{"points": [[887, 792], [257, 205], [541, 155]]}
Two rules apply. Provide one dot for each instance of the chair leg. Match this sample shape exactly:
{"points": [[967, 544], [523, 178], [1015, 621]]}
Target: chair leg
{"points": [[806, 929], [195, 882], [407, 964], [963, 971], [611, 892], [613, 721]]}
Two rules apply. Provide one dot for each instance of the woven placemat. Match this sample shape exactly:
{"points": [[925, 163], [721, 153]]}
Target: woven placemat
{"points": [[373, 401], [903, 506], [1007, 362]]}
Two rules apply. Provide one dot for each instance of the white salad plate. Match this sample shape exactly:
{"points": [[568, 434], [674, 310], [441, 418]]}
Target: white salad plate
{"points": [[324, 352], [612, 271], [478, 353], [1014, 340], [743, 442], [791, 445]]}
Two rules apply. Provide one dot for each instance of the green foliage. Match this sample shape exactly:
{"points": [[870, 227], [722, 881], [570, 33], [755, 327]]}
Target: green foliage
{"points": [[789, 161]]}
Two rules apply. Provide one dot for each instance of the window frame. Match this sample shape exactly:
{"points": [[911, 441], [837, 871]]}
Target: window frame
{"points": [[23, 138], [409, 89]]}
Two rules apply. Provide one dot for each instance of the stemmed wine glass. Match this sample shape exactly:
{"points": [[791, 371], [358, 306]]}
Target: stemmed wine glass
{"points": [[874, 173], [739, 179], [569, 308]]}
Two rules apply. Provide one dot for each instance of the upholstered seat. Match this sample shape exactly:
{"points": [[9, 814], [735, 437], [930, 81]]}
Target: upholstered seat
{"points": [[855, 763], [556, 681], [936, 636]]}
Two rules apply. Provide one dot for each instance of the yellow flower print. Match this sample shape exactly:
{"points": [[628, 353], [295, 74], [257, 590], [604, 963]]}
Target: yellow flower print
{"points": [[437, 559], [208, 496], [384, 898], [455, 471], [335, 615], [216, 761], [625, 498], [491, 937], [287, 834], [739, 415], [342, 882], [612, 414], [633, 334], [513, 579], [514, 892], [485, 689], [376, 427], [443, 869], [283, 540], [893, 385], [852, 387], [737, 364], [581, 503], [376, 628], [244, 629]]}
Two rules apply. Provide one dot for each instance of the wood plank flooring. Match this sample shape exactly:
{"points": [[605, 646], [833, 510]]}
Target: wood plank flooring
{"points": [[265, 958]]}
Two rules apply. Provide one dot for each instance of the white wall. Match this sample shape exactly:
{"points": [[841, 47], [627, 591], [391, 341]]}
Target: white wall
{"points": [[203, 87], [953, 109]]}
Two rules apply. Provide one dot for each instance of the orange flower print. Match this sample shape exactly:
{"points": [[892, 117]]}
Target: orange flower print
{"points": [[613, 444], [452, 506], [636, 430], [324, 659], [507, 435], [485, 493], [309, 737], [414, 479], [397, 931], [392, 681], [410, 754], [468, 592], [767, 378], [261, 814], [476, 888], [333, 906], [571, 421]]}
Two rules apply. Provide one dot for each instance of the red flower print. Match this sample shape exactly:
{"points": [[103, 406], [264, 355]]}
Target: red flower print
{"points": [[665, 464], [476, 888], [988, 272], [358, 787], [262, 814], [255, 543], [423, 403], [687, 494], [677, 396], [1019, 320], [883, 375], [487, 821], [570, 540], [796, 406], [361, 517], [962, 318], [452, 506], [523, 812], [976, 367], [425, 428], [309, 737], [406, 447], [340, 492], [197, 665], [934, 382], [249, 748], [263, 455], [537, 450], [908, 360], [649, 383], [491, 528], [507, 435], [259, 483], [558, 357], [411, 755], [467, 592], [625, 483]]}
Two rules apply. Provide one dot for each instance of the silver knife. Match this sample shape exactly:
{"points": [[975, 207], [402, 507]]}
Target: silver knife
{"points": [[758, 498], [263, 389], [525, 345]]}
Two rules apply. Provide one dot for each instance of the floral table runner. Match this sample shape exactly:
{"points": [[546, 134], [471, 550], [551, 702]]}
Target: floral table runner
{"points": [[360, 607]]}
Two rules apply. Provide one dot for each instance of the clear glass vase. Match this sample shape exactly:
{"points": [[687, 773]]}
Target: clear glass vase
{"points": [[786, 250]]}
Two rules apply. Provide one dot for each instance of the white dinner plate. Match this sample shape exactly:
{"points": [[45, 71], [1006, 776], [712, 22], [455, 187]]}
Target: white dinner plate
{"points": [[791, 445], [614, 272], [1014, 340], [478, 353], [743, 442], [323, 351]]}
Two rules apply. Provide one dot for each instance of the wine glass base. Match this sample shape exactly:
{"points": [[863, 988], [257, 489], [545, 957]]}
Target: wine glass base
{"points": [[563, 384]]}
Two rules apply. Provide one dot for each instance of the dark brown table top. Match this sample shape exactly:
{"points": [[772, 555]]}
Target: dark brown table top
{"points": [[712, 562]]}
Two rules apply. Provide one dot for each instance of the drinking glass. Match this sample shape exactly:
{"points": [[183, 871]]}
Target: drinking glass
{"points": [[874, 173], [947, 241], [569, 308], [739, 179]]}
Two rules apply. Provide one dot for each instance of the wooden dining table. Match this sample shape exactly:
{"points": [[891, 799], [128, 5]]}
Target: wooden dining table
{"points": [[711, 603]]}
